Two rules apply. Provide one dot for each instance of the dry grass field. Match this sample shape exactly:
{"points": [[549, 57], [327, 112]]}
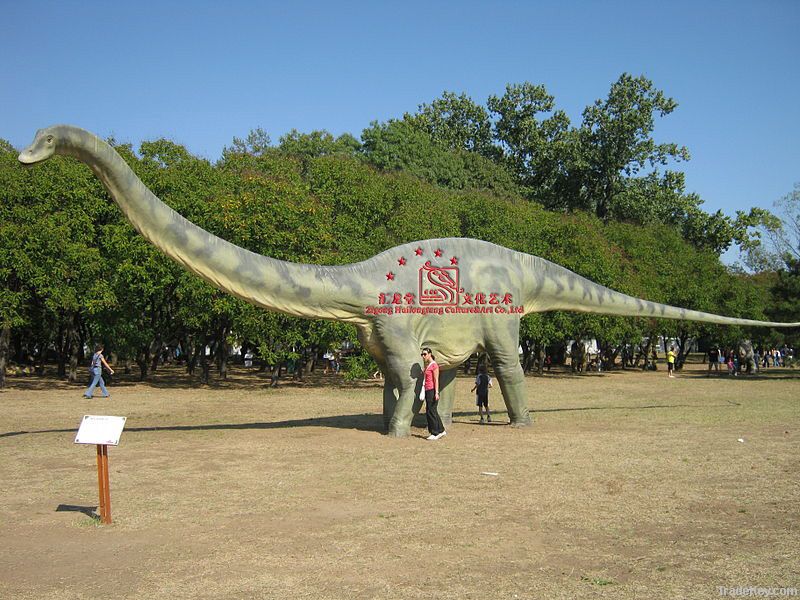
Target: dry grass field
{"points": [[629, 485]]}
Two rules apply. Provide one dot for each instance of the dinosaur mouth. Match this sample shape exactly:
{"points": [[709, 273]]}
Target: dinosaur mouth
{"points": [[29, 158]]}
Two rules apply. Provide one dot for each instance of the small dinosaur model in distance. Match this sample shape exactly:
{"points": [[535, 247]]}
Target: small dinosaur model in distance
{"points": [[454, 295]]}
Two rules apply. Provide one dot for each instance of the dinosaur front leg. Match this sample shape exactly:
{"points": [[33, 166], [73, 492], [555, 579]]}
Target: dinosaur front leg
{"points": [[405, 396], [390, 398], [401, 390], [447, 395]]}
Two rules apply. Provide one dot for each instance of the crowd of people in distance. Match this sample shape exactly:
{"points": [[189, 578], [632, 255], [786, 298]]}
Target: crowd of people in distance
{"points": [[736, 362]]}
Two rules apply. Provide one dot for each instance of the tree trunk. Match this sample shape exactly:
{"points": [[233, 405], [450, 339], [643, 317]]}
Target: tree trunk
{"points": [[540, 355], [18, 355], [143, 361], [222, 352], [60, 346], [683, 349], [202, 359], [73, 346], [222, 360], [5, 336], [205, 368], [276, 374], [155, 352], [192, 354]]}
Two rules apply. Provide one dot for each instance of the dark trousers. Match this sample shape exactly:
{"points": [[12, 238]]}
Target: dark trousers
{"points": [[435, 426]]}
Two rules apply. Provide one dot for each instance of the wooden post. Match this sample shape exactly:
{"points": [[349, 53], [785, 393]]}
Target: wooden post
{"points": [[102, 431], [101, 483], [103, 486]]}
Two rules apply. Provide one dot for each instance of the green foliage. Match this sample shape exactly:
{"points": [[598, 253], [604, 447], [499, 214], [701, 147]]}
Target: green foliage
{"points": [[616, 139], [405, 146], [785, 301], [318, 143], [777, 239], [610, 165], [359, 365], [455, 122], [257, 143], [537, 150], [73, 270]]}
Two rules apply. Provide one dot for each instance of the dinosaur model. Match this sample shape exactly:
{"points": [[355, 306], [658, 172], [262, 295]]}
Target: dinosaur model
{"points": [[455, 295]]}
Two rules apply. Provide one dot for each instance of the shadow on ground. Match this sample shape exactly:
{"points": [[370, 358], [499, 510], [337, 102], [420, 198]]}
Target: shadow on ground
{"points": [[89, 511], [361, 422]]}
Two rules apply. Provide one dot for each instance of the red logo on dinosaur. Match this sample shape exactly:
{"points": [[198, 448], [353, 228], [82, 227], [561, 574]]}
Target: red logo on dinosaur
{"points": [[438, 286], [439, 293]]}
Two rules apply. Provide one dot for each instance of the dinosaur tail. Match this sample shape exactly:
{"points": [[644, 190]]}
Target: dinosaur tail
{"points": [[557, 288]]}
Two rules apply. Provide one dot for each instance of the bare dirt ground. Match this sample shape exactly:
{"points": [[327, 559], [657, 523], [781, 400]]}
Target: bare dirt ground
{"points": [[629, 485]]}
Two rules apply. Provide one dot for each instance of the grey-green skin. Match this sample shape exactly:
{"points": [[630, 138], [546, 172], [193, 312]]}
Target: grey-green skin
{"points": [[342, 293]]}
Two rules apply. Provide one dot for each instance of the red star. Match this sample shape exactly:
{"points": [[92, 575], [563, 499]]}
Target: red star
{"points": [[390, 276], [418, 251], [402, 261], [454, 260], [438, 253]]}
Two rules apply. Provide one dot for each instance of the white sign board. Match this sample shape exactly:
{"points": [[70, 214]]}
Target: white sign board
{"points": [[96, 429]]}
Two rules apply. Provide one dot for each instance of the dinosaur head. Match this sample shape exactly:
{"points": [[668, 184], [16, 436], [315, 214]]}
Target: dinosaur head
{"points": [[43, 147]]}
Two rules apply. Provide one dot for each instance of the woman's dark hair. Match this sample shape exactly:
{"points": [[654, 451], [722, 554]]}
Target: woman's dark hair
{"points": [[428, 350], [98, 347]]}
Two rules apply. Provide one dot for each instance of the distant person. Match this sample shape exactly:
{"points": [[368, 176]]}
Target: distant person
{"points": [[671, 362], [481, 388], [328, 358], [431, 386], [731, 365], [96, 369], [713, 359]]}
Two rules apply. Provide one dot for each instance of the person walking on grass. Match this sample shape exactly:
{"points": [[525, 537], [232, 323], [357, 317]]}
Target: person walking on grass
{"points": [[431, 385], [96, 369], [671, 362], [481, 388]]}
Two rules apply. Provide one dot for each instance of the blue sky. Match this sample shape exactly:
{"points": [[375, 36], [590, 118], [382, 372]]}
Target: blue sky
{"points": [[202, 72]]}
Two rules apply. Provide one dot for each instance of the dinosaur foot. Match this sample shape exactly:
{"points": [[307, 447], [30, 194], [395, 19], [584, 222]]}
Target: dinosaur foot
{"points": [[398, 433]]}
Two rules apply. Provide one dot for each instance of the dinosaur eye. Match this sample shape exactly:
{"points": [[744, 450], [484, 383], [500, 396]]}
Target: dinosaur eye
{"points": [[49, 139]]}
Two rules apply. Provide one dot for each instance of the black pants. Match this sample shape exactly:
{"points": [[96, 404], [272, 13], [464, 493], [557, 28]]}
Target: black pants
{"points": [[435, 426]]}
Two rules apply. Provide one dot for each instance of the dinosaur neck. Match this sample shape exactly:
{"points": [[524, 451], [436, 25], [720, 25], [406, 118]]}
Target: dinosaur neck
{"points": [[295, 289]]}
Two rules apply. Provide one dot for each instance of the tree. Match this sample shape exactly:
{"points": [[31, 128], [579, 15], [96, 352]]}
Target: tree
{"points": [[51, 220], [318, 143], [778, 240], [538, 151], [404, 146], [256, 143], [616, 140], [455, 122], [13, 297]]}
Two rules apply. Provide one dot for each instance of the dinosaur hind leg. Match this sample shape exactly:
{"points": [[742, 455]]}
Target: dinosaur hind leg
{"points": [[447, 395], [503, 347]]}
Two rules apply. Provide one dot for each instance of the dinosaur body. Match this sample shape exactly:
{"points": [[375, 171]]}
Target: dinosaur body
{"points": [[455, 295]]}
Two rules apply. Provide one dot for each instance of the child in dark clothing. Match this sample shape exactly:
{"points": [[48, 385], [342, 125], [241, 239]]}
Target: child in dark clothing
{"points": [[482, 384]]}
